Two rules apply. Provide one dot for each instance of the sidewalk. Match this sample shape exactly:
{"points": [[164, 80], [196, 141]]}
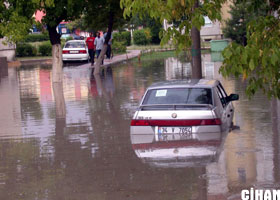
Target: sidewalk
{"points": [[48, 61], [120, 58]]}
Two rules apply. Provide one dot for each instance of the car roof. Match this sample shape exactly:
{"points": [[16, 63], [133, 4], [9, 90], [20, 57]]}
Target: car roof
{"points": [[189, 83]]}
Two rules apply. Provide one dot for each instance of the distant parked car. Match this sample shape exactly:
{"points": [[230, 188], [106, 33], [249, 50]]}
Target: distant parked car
{"points": [[180, 109], [75, 50], [65, 36]]}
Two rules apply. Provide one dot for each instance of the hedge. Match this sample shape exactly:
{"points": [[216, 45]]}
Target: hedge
{"points": [[37, 37], [123, 37], [118, 47], [45, 49], [24, 50], [142, 37]]}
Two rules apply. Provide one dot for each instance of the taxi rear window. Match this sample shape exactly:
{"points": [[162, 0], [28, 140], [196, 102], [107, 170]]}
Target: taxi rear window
{"points": [[178, 96]]}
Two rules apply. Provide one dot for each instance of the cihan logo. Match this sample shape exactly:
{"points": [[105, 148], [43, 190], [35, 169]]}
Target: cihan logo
{"points": [[253, 194]]}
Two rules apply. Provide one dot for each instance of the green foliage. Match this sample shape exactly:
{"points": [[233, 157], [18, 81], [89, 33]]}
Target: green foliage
{"points": [[142, 37], [45, 49], [147, 22], [96, 15], [16, 16], [69, 38], [62, 43], [118, 47], [36, 38], [25, 50], [67, 10], [123, 37], [126, 35], [182, 11], [258, 62], [241, 15]]}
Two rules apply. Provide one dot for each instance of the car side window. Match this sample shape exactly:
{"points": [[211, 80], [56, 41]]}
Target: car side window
{"points": [[221, 96], [222, 90]]}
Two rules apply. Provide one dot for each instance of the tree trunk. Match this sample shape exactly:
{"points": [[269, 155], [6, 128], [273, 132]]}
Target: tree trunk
{"points": [[104, 49], [3, 67], [99, 60], [196, 51], [56, 55], [57, 75], [60, 108]]}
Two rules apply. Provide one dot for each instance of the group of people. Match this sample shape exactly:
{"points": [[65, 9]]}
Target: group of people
{"points": [[95, 44]]}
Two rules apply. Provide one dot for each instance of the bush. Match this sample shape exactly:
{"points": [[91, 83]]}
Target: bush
{"points": [[142, 37], [69, 38], [45, 49], [126, 36], [117, 37], [118, 47], [24, 49], [37, 37], [123, 37]]}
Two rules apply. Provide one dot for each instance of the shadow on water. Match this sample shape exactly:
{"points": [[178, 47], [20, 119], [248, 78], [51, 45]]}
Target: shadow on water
{"points": [[73, 142]]}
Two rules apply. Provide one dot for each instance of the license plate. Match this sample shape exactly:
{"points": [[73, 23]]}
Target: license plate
{"points": [[173, 133], [74, 51]]}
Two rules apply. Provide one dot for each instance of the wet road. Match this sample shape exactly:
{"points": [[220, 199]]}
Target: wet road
{"points": [[74, 143]]}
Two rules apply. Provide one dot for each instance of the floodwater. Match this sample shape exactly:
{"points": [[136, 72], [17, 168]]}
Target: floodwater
{"points": [[74, 143]]}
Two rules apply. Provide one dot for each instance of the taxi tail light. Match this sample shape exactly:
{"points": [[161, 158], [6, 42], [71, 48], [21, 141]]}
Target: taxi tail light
{"points": [[65, 52], [189, 122], [82, 51], [140, 123]]}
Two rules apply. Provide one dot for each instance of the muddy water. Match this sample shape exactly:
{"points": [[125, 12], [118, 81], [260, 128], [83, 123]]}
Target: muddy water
{"points": [[74, 143]]}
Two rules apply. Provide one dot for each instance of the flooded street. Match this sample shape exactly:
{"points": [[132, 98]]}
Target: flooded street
{"points": [[75, 144]]}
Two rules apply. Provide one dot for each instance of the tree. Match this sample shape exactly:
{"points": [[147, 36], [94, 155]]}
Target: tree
{"points": [[147, 22], [258, 62], [190, 17], [103, 15], [56, 12], [16, 21], [235, 28]]}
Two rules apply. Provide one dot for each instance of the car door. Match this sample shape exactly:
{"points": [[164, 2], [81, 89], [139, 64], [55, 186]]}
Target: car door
{"points": [[227, 106]]}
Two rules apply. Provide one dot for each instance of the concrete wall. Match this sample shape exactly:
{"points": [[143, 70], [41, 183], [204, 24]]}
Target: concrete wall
{"points": [[8, 50]]}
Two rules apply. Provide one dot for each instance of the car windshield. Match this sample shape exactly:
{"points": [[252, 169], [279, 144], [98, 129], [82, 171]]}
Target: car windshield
{"points": [[178, 96], [75, 45]]}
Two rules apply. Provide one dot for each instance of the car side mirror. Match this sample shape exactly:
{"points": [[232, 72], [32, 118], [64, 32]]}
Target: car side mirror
{"points": [[232, 97]]}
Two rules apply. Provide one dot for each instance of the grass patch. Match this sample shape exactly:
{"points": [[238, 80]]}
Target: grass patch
{"points": [[33, 58], [148, 47], [182, 56]]}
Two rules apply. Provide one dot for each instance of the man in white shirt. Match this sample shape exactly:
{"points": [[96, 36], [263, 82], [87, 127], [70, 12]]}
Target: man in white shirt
{"points": [[98, 43]]}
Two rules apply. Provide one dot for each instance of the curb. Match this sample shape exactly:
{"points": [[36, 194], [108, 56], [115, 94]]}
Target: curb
{"points": [[19, 63]]}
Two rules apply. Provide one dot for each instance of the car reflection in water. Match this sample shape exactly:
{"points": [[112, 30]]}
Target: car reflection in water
{"points": [[197, 150]]}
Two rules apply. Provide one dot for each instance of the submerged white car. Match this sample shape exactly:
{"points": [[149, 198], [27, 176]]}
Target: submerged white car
{"points": [[179, 110], [75, 50]]}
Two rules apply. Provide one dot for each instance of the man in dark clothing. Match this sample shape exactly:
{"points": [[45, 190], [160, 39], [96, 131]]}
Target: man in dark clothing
{"points": [[109, 47], [91, 47]]}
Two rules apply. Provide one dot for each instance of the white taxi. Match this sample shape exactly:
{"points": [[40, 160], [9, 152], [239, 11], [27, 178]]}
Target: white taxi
{"points": [[75, 50]]}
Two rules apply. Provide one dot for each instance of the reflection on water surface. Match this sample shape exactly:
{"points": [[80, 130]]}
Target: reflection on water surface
{"points": [[85, 152]]}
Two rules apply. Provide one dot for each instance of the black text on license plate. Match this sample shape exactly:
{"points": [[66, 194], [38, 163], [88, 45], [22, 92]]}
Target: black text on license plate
{"points": [[173, 133]]}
